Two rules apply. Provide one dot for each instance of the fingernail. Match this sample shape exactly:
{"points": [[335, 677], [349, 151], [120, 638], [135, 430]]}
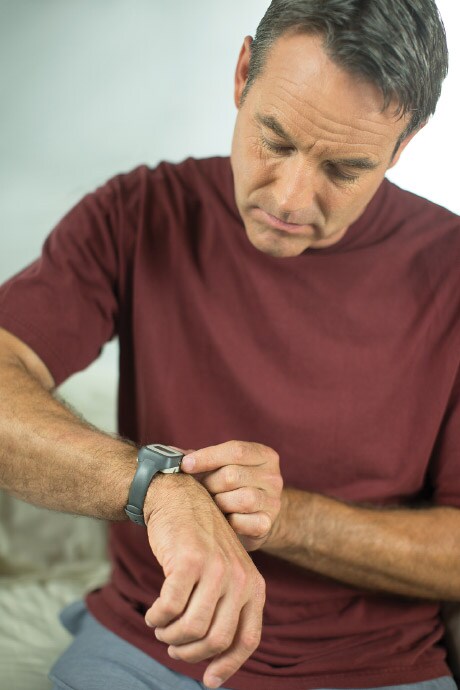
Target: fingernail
{"points": [[188, 462], [173, 654], [215, 682], [150, 625]]}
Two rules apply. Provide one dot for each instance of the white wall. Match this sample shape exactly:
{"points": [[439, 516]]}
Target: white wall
{"points": [[92, 88], [95, 87], [429, 165]]}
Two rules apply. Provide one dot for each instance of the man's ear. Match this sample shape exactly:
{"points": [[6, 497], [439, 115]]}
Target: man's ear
{"points": [[403, 145], [242, 69]]}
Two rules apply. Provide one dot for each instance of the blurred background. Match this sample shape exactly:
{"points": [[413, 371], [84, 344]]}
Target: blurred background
{"points": [[90, 89]]}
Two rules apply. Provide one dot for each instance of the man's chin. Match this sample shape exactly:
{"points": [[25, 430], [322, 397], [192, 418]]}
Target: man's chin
{"points": [[275, 245]]}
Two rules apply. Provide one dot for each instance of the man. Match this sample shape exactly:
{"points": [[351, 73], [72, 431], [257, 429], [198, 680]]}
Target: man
{"points": [[293, 314]]}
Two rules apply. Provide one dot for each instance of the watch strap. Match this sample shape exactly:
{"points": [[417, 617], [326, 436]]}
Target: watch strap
{"points": [[145, 472], [150, 460]]}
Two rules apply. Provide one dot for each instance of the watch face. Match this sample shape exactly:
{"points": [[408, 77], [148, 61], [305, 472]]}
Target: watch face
{"points": [[167, 451]]}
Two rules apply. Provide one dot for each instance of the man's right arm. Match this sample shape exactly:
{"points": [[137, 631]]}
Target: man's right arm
{"points": [[50, 457], [212, 592]]}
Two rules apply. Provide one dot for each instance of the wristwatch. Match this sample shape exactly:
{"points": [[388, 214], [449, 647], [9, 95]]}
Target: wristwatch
{"points": [[150, 460]]}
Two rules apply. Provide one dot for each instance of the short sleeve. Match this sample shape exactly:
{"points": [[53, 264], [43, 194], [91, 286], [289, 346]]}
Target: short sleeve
{"points": [[65, 304], [445, 462]]}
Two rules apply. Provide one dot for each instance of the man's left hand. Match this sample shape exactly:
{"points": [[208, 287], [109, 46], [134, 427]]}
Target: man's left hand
{"points": [[244, 479]]}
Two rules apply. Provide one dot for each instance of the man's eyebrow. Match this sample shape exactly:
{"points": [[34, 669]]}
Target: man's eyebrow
{"points": [[273, 124], [357, 163]]}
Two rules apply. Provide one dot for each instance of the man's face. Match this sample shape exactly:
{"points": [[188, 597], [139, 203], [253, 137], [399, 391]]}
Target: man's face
{"points": [[310, 147]]}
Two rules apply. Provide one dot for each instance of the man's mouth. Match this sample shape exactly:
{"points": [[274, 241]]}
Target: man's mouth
{"points": [[275, 222]]}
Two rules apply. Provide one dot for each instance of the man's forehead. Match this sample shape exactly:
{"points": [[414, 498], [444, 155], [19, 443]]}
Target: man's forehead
{"points": [[304, 91]]}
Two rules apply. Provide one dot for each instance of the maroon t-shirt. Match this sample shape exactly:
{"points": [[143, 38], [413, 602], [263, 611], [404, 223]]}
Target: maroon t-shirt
{"points": [[345, 360]]}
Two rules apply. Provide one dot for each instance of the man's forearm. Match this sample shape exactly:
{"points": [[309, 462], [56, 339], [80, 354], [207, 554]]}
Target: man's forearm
{"points": [[51, 458], [415, 553]]}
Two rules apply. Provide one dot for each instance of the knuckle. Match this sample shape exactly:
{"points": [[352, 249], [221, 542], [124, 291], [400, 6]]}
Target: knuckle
{"points": [[194, 630], [264, 524], [238, 449], [171, 589], [222, 502], [169, 607], [272, 456], [217, 570], [250, 640], [277, 482], [250, 499], [184, 654], [231, 477], [236, 523], [275, 455], [191, 561], [219, 642], [239, 576]]}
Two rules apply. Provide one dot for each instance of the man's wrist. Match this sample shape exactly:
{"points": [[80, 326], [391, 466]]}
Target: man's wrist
{"points": [[161, 491], [295, 521], [277, 537]]}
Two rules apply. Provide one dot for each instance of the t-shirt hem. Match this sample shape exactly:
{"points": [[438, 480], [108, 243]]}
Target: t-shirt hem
{"points": [[244, 680]]}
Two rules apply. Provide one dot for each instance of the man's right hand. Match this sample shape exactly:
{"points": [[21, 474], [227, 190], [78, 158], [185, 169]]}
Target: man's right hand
{"points": [[211, 602]]}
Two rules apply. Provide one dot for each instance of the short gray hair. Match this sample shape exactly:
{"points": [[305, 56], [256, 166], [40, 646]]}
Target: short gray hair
{"points": [[398, 45]]}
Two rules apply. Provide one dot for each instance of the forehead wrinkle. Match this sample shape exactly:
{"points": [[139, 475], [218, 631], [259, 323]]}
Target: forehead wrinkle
{"points": [[375, 128], [315, 143], [285, 81], [317, 134]]}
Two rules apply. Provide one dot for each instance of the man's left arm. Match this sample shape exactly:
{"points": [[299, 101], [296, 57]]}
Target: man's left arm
{"points": [[411, 552]]}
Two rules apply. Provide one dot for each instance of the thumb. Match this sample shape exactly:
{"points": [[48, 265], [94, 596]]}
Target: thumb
{"points": [[181, 450], [210, 458]]}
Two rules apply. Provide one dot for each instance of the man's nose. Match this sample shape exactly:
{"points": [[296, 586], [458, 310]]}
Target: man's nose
{"points": [[295, 186]]}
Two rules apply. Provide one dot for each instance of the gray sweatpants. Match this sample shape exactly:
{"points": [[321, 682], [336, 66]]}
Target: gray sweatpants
{"points": [[97, 659]]}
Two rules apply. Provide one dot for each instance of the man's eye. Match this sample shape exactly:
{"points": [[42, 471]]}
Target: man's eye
{"points": [[334, 171], [275, 148]]}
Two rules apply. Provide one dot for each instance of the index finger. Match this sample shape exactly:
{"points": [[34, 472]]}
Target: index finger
{"points": [[228, 453]]}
